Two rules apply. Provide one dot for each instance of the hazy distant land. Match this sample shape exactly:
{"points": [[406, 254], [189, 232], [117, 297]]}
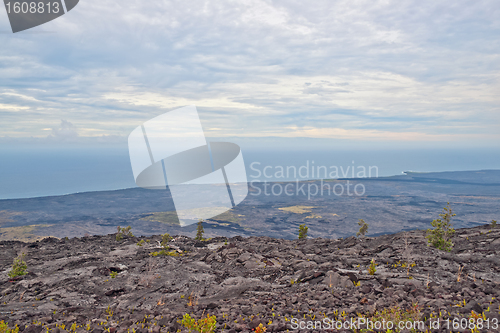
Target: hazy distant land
{"points": [[389, 205]]}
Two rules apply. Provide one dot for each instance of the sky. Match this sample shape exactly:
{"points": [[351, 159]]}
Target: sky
{"points": [[421, 73]]}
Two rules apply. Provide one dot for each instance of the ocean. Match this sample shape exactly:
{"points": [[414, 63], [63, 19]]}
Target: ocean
{"points": [[42, 171]]}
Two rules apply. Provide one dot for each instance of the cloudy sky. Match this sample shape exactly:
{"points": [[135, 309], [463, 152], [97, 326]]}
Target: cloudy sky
{"points": [[422, 72]]}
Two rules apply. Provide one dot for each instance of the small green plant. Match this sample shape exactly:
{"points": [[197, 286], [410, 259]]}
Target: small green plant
{"points": [[363, 228], [439, 237], [141, 242], [260, 329], [165, 253], [493, 224], [109, 312], [18, 266], [123, 232], [303, 231], [397, 315], [165, 238], [200, 231], [113, 274], [372, 268], [4, 328], [203, 325]]}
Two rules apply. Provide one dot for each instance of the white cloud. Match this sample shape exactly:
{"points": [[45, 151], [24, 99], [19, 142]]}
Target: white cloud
{"points": [[66, 131], [378, 70]]}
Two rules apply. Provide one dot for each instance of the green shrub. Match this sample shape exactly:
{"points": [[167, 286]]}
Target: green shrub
{"points": [[303, 231], [4, 328], [200, 231], [398, 316], [260, 329], [113, 274], [18, 266], [493, 224], [165, 238], [372, 268], [363, 227], [123, 232], [203, 325], [440, 236]]}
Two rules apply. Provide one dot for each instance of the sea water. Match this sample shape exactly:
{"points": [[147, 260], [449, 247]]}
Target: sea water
{"points": [[41, 171]]}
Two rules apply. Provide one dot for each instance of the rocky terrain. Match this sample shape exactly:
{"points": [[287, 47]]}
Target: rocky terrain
{"points": [[98, 284]]}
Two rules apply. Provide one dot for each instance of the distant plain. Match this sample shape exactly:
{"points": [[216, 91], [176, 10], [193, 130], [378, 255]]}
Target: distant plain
{"points": [[389, 205]]}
